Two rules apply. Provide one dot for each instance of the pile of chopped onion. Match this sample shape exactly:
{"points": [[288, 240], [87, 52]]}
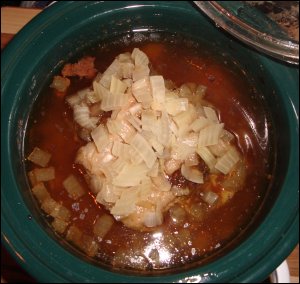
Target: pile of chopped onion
{"points": [[152, 132]]}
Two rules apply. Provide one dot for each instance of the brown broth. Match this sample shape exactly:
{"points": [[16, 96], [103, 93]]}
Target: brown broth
{"points": [[228, 89]]}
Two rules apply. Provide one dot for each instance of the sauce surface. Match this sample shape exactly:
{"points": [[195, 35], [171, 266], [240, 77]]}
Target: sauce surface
{"points": [[174, 243]]}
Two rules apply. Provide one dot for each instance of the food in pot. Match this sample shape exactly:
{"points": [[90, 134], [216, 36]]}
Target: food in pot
{"points": [[143, 164]]}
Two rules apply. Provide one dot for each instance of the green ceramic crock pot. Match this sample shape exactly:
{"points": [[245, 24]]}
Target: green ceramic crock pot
{"points": [[67, 28]]}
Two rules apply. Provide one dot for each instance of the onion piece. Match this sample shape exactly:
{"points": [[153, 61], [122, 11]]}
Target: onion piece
{"points": [[154, 170], [161, 182], [40, 192], [130, 175], [184, 119], [135, 122], [227, 161], [117, 86], [172, 165], [140, 72], [135, 109], [158, 89], [176, 106], [103, 225], [97, 91], [192, 160], [163, 129], [149, 120], [199, 124], [211, 115], [210, 197], [139, 143], [210, 135], [152, 219], [113, 69], [178, 191], [126, 70], [191, 174], [39, 157], [141, 90], [100, 137], [113, 101], [126, 204], [207, 157], [177, 214], [73, 187], [139, 57], [82, 117], [107, 194], [121, 128], [44, 174]]}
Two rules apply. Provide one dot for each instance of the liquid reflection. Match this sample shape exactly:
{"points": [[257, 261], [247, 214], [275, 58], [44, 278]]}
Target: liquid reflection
{"points": [[259, 129]]}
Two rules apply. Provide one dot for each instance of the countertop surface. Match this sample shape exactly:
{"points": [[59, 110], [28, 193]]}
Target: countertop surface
{"points": [[12, 20]]}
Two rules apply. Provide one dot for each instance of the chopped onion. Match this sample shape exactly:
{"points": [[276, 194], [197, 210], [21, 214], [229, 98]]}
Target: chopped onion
{"points": [[177, 214], [103, 225], [59, 225], [107, 194], [117, 86], [172, 165], [142, 91], [135, 122], [44, 174], [176, 106], [190, 139], [210, 135], [178, 191], [210, 197], [135, 157], [113, 69], [140, 72], [192, 160], [211, 114], [101, 137], [200, 91], [121, 150], [139, 143], [199, 124], [158, 147], [97, 91], [135, 109], [40, 192], [121, 128], [82, 117], [226, 135], [127, 69], [126, 204], [130, 175], [184, 120], [73, 187], [191, 174], [139, 57], [219, 149], [115, 166], [161, 182], [180, 151], [158, 89], [152, 219], [227, 161], [125, 57], [207, 157], [39, 157], [148, 120], [113, 101], [154, 170], [163, 135]]}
